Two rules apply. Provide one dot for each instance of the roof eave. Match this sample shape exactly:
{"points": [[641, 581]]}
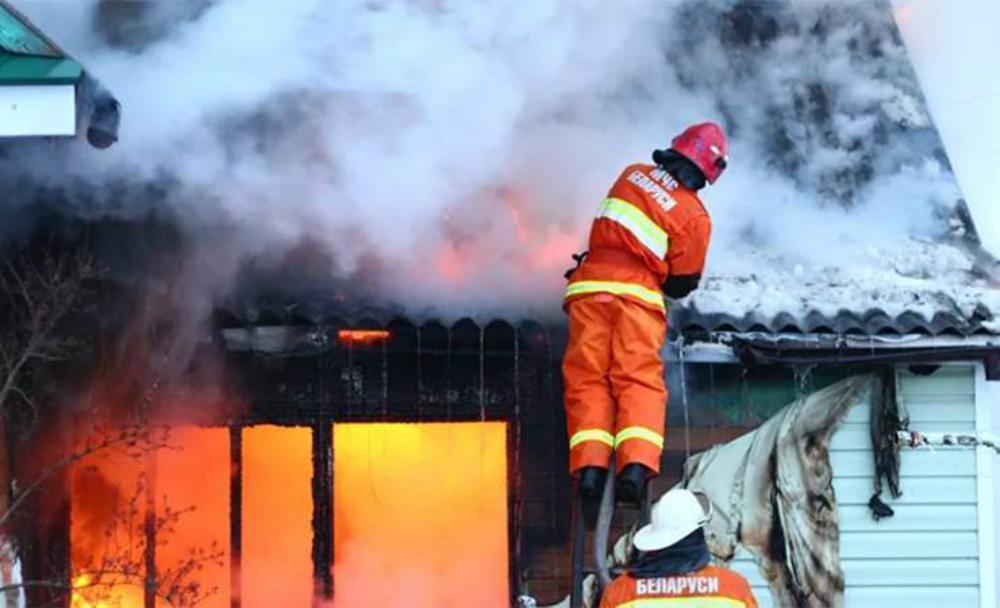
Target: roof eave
{"points": [[752, 349]]}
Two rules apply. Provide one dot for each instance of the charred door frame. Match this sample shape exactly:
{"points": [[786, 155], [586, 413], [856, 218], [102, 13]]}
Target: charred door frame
{"points": [[499, 372]]}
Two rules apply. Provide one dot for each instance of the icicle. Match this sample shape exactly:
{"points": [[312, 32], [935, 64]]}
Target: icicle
{"points": [[684, 397], [352, 378], [745, 395], [803, 380], [448, 400], [516, 465], [385, 380], [482, 372]]}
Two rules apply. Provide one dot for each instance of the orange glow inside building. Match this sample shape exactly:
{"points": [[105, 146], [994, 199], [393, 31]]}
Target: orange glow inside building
{"points": [[419, 518], [106, 528], [420, 515], [362, 336], [276, 566], [192, 482], [190, 491]]}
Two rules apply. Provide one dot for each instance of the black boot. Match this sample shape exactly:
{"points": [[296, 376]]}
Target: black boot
{"points": [[591, 482], [631, 482]]}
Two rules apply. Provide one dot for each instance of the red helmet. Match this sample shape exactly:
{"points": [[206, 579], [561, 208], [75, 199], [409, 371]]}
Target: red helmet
{"points": [[705, 145]]}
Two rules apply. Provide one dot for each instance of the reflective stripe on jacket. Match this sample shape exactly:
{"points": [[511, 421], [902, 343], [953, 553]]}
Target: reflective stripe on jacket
{"points": [[710, 587], [655, 221]]}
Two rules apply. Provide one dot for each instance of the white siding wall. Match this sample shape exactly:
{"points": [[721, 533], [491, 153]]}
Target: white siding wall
{"points": [[37, 110], [928, 553]]}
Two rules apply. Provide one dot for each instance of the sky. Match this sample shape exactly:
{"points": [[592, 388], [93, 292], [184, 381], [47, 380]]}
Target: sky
{"points": [[955, 48]]}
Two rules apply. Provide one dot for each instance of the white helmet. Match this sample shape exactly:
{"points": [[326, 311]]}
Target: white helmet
{"points": [[678, 513]]}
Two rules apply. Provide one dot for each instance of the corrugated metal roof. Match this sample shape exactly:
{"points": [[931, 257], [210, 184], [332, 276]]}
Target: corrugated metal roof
{"points": [[873, 322], [686, 320]]}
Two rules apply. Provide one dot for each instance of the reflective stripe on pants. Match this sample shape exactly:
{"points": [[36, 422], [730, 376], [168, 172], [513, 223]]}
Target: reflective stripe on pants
{"points": [[638, 432], [598, 435]]}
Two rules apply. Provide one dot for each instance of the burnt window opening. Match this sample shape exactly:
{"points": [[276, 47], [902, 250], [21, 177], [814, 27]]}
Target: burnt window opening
{"points": [[497, 374]]}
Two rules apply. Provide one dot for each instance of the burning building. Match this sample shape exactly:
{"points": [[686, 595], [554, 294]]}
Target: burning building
{"points": [[315, 350], [325, 454], [315, 450]]}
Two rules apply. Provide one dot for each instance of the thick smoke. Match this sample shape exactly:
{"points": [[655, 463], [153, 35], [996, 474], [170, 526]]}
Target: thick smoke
{"points": [[449, 155]]}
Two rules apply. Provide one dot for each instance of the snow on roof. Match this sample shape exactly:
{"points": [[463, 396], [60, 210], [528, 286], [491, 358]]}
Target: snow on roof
{"points": [[928, 279], [841, 199]]}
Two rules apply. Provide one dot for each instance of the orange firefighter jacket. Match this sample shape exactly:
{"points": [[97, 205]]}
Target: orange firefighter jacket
{"points": [[710, 587], [648, 228]]}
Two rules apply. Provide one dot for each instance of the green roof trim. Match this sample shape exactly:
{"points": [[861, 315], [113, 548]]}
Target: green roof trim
{"points": [[23, 69], [16, 36], [28, 56]]}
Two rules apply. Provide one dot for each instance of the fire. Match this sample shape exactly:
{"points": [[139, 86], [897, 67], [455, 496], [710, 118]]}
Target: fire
{"points": [[362, 336], [545, 246], [79, 598], [193, 480], [452, 263], [554, 251], [420, 515], [106, 516], [108, 527], [449, 477], [516, 238], [277, 517]]}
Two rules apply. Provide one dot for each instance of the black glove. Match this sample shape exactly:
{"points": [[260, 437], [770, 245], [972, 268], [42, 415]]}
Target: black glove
{"points": [[578, 258], [679, 286]]}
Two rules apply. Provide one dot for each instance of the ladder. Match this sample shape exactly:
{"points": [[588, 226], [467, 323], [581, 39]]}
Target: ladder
{"points": [[582, 511]]}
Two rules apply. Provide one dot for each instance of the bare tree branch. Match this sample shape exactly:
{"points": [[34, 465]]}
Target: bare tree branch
{"points": [[14, 276], [51, 584], [130, 436], [37, 294]]}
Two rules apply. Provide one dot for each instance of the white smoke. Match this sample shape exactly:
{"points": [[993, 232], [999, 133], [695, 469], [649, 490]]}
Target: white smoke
{"points": [[465, 145]]}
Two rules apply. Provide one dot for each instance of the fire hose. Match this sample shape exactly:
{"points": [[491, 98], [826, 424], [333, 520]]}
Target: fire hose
{"points": [[603, 529], [602, 532]]}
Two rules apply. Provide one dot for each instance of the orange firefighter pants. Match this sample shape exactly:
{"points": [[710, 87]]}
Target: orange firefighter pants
{"points": [[615, 394]]}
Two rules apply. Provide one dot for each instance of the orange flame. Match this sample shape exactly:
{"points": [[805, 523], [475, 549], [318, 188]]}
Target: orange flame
{"points": [[80, 599], [545, 246], [451, 263], [420, 515], [194, 478], [277, 517], [364, 336], [107, 514]]}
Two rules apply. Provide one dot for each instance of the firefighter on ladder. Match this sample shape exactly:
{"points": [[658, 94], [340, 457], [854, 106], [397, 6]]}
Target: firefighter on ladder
{"points": [[673, 567], [650, 238]]}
